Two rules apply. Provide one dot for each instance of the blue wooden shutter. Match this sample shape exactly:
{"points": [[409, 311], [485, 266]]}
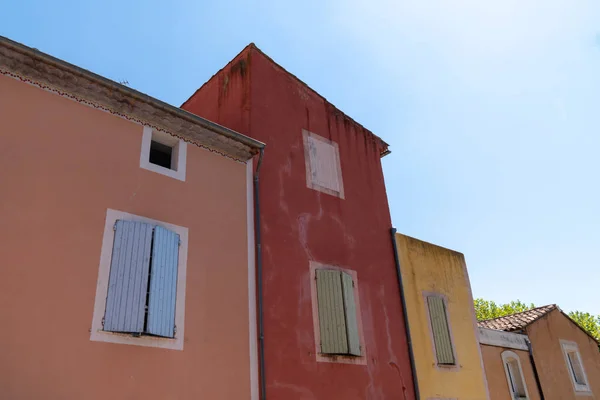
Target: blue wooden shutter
{"points": [[128, 279], [163, 283], [350, 311]]}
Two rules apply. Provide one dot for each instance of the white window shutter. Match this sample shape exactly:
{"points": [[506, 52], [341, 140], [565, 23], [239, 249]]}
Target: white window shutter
{"points": [[128, 279], [163, 283], [324, 164]]}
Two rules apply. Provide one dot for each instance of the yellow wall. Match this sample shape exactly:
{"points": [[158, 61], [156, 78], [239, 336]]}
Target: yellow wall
{"points": [[427, 268]]}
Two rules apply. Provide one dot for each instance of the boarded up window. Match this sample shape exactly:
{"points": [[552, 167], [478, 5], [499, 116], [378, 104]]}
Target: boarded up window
{"points": [[337, 313], [143, 280], [441, 330], [323, 168]]}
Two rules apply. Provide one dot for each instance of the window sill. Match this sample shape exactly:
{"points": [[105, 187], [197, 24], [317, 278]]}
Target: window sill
{"points": [[584, 392], [142, 340], [342, 359], [448, 367], [163, 171]]}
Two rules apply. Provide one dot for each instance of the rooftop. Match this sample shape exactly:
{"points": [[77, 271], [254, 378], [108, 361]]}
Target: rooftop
{"points": [[49, 73], [518, 321]]}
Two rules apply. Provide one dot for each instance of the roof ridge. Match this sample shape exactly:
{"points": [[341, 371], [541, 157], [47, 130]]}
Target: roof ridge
{"points": [[252, 46], [551, 307]]}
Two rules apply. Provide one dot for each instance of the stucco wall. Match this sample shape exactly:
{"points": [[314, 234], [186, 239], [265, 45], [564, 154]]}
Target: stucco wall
{"points": [[300, 225], [427, 268], [545, 335], [62, 164], [496, 376]]}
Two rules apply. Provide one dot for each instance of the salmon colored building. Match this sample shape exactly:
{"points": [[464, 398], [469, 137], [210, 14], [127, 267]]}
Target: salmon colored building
{"points": [[127, 242], [510, 371], [331, 322], [442, 322], [565, 356]]}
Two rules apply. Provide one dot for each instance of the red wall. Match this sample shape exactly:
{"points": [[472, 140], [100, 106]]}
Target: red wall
{"points": [[300, 224]]}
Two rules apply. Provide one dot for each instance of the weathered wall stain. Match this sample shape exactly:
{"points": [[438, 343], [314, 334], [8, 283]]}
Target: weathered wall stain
{"points": [[427, 269], [300, 224]]}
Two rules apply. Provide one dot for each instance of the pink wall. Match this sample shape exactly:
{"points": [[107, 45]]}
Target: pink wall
{"points": [[496, 375], [545, 335], [300, 225], [62, 165]]}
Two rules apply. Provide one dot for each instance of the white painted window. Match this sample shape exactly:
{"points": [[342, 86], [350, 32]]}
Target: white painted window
{"points": [[140, 293], [575, 366], [323, 168], [163, 154], [514, 375]]}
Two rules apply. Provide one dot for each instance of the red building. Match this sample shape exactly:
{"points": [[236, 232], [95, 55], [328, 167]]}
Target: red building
{"points": [[333, 321]]}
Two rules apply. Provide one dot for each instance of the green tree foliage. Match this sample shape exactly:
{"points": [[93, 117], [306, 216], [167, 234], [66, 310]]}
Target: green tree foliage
{"points": [[485, 309], [587, 321]]}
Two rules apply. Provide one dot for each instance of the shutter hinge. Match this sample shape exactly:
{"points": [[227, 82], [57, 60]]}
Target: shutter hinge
{"points": [[174, 329], [102, 322], [179, 243], [115, 226]]}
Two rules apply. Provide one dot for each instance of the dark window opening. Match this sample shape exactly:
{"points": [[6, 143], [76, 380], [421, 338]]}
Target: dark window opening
{"points": [[161, 154]]}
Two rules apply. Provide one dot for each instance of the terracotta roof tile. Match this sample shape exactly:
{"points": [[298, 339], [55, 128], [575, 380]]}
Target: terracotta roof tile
{"points": [[518, 321]]}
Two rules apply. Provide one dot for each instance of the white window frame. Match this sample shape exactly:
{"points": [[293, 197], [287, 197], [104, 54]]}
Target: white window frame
{"points": [[328, 358], [507, 357], [571, 347], [97, 333], [178, 159], [307, 137]]}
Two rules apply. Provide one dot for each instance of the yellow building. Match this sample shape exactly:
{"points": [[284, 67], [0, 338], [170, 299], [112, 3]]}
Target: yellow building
{"points": [[442, 324]]}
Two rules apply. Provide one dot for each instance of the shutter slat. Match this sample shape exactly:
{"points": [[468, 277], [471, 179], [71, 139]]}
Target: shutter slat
{"points": [[128, 278], [441, 330], [350, 312], [331, 312], [163, 283]]}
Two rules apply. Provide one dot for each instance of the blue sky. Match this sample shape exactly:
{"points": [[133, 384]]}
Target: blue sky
{"points": [[492, 108]]}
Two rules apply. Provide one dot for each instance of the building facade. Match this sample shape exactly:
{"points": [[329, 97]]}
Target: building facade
{"points": [[442, 322], [128, 246], [333, 321], [508, 366], [565, 356]]}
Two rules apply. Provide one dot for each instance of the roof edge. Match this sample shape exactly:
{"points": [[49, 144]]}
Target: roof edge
{"points": [[253, 46], [554, 306], [52, 73]]}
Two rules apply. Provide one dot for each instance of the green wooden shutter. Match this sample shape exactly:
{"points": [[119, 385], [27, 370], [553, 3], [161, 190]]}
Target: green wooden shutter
{"points": [[350, 311], [332, 322], [441, 330]]}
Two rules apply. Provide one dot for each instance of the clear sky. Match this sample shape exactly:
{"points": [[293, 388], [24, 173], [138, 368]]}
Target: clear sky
{"points": [[492, 108]]}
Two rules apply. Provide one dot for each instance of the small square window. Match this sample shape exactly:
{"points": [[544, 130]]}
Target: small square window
{"points": [[163, 154]]}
